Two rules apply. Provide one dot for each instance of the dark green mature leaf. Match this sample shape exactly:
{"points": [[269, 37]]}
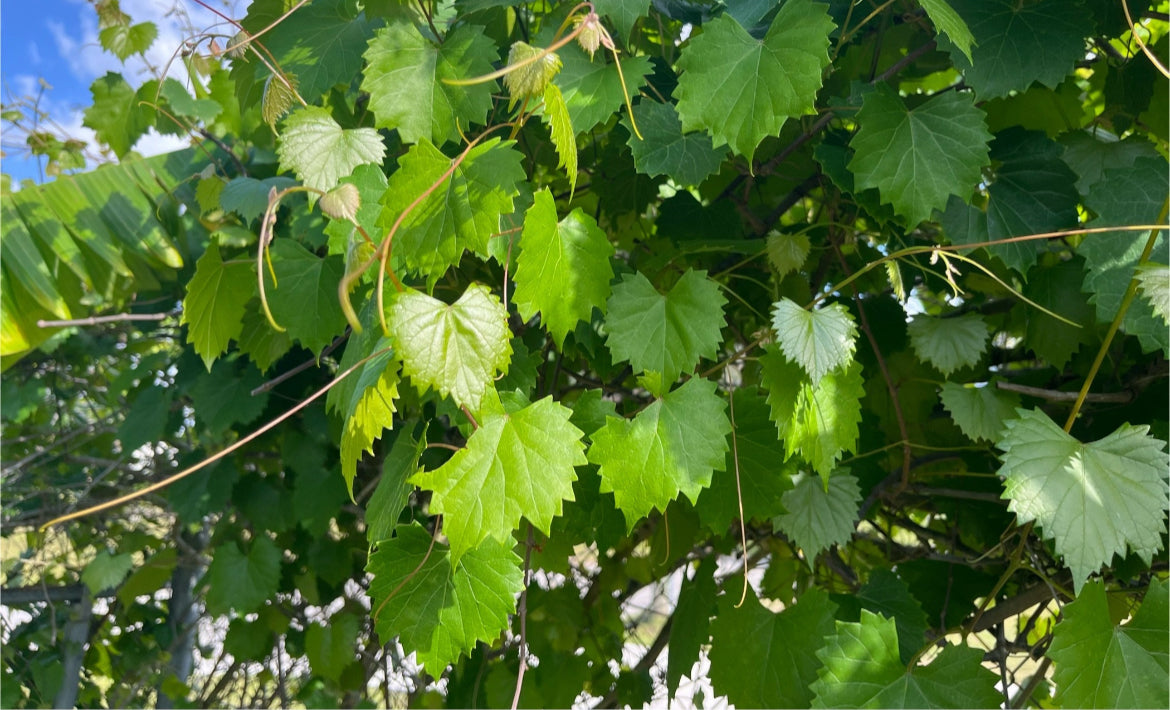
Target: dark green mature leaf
{"points": [[331, 647], [981, 410], [623, 14], [885, 593], [214, 307], [948, 21], [222, 397], [917, 158], [862, 668], [667, 334], [394, 489], [303, 299], [440, 608], [761, 659], [321, 152], [115, 115], [1100, 665], [663, 149], [818, 515], [1058, 288], [949, 343], [1020, 43], [670, 447], [740, 89], [242, 581], [404, 77], [592, 88], [563, 271], [1090, 153], [1093, 500], [106, 571]]}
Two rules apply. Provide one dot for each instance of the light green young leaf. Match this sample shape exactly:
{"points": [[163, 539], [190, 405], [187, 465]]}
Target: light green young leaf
{"points": [[441, 607], [818, 518], [304, 298], [949, 343], [106, 571], [321, 152], [671, 447], [514, 465], [1093, 500], [556, 115], [365, 399], [1099, 665], [663, 149], [457, 349], [667, 333], [214, 307], [242, 581], [563, 271], [528, 81], [740, 89], [979, 412], [404, 77], [947, 21], [819, 341], [787, 252], [126, 39], [1155, 286], [918, 158], [862, 668], [115, 115]]}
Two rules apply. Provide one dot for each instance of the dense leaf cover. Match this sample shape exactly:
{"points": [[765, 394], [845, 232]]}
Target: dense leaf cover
{"points": [[812, 350]]}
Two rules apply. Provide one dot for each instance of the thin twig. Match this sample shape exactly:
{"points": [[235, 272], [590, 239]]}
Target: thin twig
{"points": [[522, 612], [1059, 396], [98, 320], [304, 365]]}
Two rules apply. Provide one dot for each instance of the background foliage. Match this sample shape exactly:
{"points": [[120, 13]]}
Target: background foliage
{"points": [[829, 365]]}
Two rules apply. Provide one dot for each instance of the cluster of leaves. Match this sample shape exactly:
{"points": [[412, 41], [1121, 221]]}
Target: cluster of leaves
{"points": [[786, 315]]}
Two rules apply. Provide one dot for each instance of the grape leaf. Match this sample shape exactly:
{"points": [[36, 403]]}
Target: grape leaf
{"points": [[1155, 286], [115, 115], [304, 298], [819, 341], [321, 152], [949, 343], [248, 197], [222, 396], [514, 465], [126, 39], [330, 647], [563, 271], [106, 570], [461, 213], [762, 659], [691, 623], [263, 344], [787, 252], [918, 157], [672, 446], [668, 333], [740, 89], [214, 307], [663, 149], [404, 77], [948, 21], [441, 607], [1094, 500], [862, 668], [592, 89], [1099, 665], [816, 518], [623, 13], [394, 489], [1090, 152], [1058, 288], [456, 349], [364, 399], [885, 593], [979, 411], [242, 581], [1018, 43], [556, 115]]}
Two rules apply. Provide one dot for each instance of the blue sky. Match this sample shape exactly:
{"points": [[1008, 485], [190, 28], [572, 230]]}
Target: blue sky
{"points": [[57, 40]]}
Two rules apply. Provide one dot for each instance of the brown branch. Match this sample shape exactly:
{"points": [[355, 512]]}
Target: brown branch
{"points": [[98, 320], [1059, 396], [304, 365]]}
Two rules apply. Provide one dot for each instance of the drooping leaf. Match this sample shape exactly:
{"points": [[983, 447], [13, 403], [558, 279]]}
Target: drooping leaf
{"points": [[365, 399], [1100, 665], [671, 447], [917, 158], [214, 307], [663, 149], [949, 22], [949, 343], [740, 89], [819, 341], [667, 333], [556, 114], [127, 39], [242, 581], [979, 411], [787, 252], [443, 606], [1093, 500], [404, 77], [321, 152], [304, 298], [816, 518], [115, 115], [563, 271], [457, 349]]}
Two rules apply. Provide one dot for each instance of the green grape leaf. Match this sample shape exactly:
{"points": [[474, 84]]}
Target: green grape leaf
{"points": [[182, 104], [304, 298], [691, 624], [949, 343], [563, 271], [321, 152], [222, 397], [404, 77], [623, 13], [947, 21], [532, 70], [663, 149], [457, 349], [115, 115], [740, 89], [365, 400], [1090, 152], [262, 343], [1058, 288], [214, 306], [787, 252], [592, 89], [1154, 280], [1094, 500], [820, 422], [672, 446], [1099, 665], [979, 411], [242, 581], [556, 114], [818, 518], [248, 197], [762, 659], [106, 570], [394, 490], [917, 158], [667, 333], [441, 607], [280, 94], [819, 341], [863, 668], [885, 593], [126, 39], [1020, 43], [330, 647], [463, 212], [514, 465]]}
